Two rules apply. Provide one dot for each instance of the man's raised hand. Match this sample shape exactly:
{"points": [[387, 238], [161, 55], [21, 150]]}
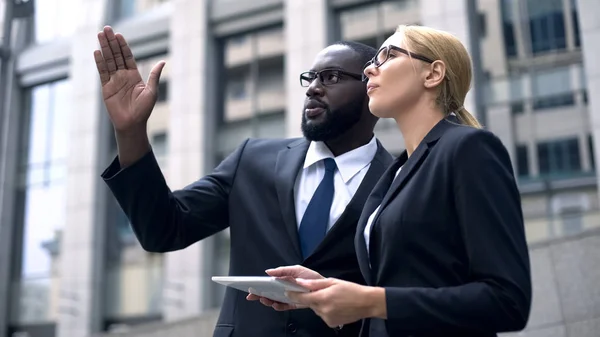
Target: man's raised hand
{"points": [[128, 99]]}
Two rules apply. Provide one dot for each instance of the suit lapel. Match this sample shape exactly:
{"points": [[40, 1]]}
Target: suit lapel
{"points": [[383, 193], [289, 162], [354, 208], [415, 160]]}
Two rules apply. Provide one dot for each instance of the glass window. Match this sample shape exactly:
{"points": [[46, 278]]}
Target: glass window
{"points": [[128, 8], [43, 203], [517, 95], [237, 88], [372, 24], [160, 148], [508, 19], [559, 157], [575, 16], [134, 277], [163, 90], [55, 19], [553, 88], [547, 25], [522, 161], [254, 82], [590, 141]]}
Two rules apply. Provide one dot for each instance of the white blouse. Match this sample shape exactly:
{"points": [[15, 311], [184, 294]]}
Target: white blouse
{"points": [[369, 226]]}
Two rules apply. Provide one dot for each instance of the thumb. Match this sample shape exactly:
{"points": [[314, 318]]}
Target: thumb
{"points": [[314, 285], [283, 271], [154, 76]]}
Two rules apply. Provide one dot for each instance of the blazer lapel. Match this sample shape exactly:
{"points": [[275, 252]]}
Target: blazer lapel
{"points": [[371, 204], [415, 160], [354, 208], [289, 162]]}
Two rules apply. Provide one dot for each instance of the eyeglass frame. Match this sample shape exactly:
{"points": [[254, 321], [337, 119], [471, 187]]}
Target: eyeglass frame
{"points": [[388, 48], [318, 74]]}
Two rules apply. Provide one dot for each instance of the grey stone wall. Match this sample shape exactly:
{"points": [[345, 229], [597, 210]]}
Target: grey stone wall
{"points": [[566, 288], [566, 296], [200, 326]]}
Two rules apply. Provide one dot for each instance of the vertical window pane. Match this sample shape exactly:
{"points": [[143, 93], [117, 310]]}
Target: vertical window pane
{"points": [[547, 25], [522, 161], [59, 140], [590, 141], [373, 23], [253, 83], [39, 125], [44, 208], [128, 8], [553, 88], [133, 276], [559, 157], [55, 19], [575, 16], [507, 7]]}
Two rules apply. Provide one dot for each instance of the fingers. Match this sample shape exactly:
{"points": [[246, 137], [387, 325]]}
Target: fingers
{"points": [[154, 77], [252, 297], [101, 65], [127, 54], [316, 284], [292, 271], [270, 303], [107, 53], [303, 299], [115, 48], [283, 306]]}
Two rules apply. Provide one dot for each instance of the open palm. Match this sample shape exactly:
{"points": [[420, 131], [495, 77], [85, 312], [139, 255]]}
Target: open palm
{"points": [[128, 99]]}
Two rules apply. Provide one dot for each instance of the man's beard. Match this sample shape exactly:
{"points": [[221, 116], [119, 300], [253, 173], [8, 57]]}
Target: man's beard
{"points": [[335, 124]]}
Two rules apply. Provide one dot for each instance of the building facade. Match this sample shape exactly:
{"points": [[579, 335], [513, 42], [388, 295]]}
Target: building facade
{"points": [[70, 265]]}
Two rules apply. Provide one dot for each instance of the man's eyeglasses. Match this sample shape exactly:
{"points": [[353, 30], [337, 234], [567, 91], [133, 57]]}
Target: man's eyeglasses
{"points": [[383, 55], [326, 76]]}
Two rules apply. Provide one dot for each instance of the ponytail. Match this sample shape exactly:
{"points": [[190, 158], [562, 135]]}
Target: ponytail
{"points": [[467, 118]]}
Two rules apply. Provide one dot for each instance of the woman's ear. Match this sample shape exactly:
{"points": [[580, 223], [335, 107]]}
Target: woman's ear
{"points": [[435, 74]]}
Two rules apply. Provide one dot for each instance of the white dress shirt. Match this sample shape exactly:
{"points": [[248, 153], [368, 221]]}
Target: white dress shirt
{"points": [[352, 167], [369, 226]]}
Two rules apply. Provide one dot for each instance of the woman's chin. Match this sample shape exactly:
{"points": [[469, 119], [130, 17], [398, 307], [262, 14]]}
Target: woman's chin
{"points": [[377, 110]]}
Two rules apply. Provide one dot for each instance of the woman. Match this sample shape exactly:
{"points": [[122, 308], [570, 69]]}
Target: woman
{"points": [[441, 240]]}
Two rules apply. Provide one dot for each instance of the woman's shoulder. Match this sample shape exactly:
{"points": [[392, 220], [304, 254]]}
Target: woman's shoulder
{"points": [[459, 135], [465, 141]]}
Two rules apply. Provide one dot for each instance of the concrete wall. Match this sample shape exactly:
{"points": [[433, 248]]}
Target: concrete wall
{"points": [[566, 296], [198, 326]]}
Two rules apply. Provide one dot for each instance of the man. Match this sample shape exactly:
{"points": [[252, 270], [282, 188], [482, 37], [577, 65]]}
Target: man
{"points": [[286, 201]]}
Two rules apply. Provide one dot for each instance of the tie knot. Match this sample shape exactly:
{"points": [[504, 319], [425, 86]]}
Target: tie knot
{"points": [[329, 164]]}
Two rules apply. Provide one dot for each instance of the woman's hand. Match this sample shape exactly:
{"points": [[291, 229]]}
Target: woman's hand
{"points": [[340, 302], [289, 273]]}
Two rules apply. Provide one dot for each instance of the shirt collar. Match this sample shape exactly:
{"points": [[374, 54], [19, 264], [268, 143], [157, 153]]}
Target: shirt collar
{"points": [[349, 163]]}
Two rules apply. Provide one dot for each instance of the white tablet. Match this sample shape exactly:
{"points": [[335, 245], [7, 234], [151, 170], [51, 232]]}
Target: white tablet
{"points": [[265, 286]]}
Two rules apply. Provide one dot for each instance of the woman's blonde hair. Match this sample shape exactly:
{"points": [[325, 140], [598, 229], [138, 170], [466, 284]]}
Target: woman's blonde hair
{"points": [[439, 45]]}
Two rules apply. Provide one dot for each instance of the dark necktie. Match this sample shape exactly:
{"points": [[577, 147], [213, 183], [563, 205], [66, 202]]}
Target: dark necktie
{"points": [[316, 217]]}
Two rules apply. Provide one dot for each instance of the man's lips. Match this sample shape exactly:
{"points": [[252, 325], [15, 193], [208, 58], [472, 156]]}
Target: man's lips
{"points": [[314, 108], [313, 112]]}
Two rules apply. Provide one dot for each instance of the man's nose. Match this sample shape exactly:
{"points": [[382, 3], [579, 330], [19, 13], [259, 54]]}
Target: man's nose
{"points": [[315, 88]]}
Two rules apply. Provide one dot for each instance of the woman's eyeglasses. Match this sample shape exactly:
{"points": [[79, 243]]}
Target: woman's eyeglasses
{"points": [[383, 55]]}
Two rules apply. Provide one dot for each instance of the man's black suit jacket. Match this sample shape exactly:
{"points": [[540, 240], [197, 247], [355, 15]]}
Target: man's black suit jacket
{"points": [[252, 192], [448, 241]]}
